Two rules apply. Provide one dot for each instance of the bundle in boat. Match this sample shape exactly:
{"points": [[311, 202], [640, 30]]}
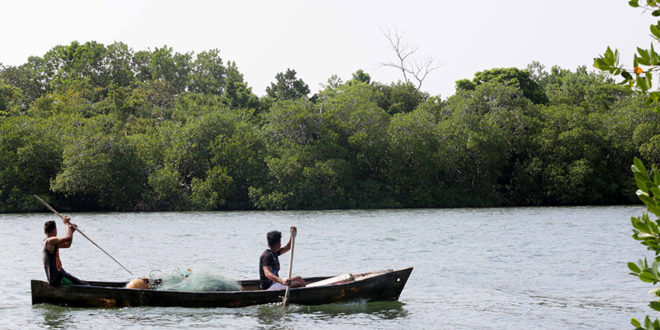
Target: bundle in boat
{"points": [[199, 280]]}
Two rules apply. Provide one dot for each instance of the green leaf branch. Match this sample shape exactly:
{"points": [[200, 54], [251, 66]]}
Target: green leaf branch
{"points": [[645, 62], [647, 232]]}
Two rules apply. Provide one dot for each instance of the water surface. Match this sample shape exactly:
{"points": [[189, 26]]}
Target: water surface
{"points": [[488, 268]]}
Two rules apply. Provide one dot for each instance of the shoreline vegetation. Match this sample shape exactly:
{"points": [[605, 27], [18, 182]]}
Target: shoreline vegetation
{"points": [[93, 127]]}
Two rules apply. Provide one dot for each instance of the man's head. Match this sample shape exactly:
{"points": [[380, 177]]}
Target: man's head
{"points": [[50, 228], [274, 240]]}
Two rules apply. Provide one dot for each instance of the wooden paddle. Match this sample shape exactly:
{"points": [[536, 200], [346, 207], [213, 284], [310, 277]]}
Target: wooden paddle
{"points": [[293, 240], [81, 233]]}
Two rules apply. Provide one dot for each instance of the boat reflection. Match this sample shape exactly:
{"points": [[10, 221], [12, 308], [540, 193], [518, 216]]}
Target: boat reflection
{"points": [[384, 310], [54, 317]]}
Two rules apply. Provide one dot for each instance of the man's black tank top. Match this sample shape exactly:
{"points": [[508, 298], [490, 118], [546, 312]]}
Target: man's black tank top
{"points": [[50, 265]]}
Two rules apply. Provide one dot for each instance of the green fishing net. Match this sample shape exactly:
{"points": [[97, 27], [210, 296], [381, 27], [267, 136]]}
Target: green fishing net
{"points": [[198, 279]]}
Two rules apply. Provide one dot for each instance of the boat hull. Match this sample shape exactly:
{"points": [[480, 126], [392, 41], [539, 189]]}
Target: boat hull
{"points": [[375, 286]]}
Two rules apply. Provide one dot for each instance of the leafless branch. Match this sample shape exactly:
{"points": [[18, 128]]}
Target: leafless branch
{"points": [[421, 69], [409, 67]]}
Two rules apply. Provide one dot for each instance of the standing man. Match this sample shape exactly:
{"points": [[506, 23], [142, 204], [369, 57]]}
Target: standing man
{"points": [[269, 265], [51, 253]]}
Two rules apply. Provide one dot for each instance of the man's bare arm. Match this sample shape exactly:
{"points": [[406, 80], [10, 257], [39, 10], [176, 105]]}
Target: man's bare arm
{"points": [[287, 247], [69, 233], [271, 276], [70, 228], [62, 242]]}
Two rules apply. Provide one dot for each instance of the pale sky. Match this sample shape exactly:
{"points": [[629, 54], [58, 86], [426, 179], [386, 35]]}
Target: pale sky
{"points": [[322, 38]]}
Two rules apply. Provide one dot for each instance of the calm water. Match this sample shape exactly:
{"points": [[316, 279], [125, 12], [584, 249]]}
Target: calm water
{"points": [[487, 268]]}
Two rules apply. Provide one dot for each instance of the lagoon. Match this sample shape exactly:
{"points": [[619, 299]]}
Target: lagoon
{"points": [[545, 267]]}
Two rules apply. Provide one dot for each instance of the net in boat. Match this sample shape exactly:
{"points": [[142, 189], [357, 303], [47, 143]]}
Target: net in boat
{"points": [[198, 279]]}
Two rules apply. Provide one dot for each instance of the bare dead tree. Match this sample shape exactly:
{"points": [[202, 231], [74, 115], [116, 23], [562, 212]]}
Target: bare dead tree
{"points": [[405, 62]]}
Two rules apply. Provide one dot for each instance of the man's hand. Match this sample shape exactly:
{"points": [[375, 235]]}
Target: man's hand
{"points": [[287, 282], [66, 219], [73, 226]]}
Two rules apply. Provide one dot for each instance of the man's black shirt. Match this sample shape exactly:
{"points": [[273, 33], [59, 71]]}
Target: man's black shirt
{"points": [[268, 258]]}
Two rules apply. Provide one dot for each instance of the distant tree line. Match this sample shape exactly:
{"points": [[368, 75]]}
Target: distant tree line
{"points": [[96, 127]]}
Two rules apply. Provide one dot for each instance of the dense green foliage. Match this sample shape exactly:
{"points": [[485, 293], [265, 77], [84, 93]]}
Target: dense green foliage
{"points": [[640, 78], [647, 231], [96, 127]]}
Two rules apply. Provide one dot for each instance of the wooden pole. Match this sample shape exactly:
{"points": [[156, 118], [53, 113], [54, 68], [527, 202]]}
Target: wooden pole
{"points": [[293, 240], [81, 233]]}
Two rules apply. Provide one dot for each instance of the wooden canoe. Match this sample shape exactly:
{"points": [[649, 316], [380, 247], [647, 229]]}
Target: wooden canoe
{"points": [[371, 286]]}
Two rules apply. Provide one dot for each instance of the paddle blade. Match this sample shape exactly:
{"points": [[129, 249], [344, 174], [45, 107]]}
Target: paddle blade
{"points": [[286, 297]]}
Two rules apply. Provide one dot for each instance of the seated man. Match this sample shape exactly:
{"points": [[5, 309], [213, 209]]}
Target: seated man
{"points": [[269, 265], [51, 253]]}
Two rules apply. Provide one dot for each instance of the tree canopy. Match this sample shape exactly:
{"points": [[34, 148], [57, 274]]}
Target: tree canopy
{"points": [[103, 127], [287, 86]]}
